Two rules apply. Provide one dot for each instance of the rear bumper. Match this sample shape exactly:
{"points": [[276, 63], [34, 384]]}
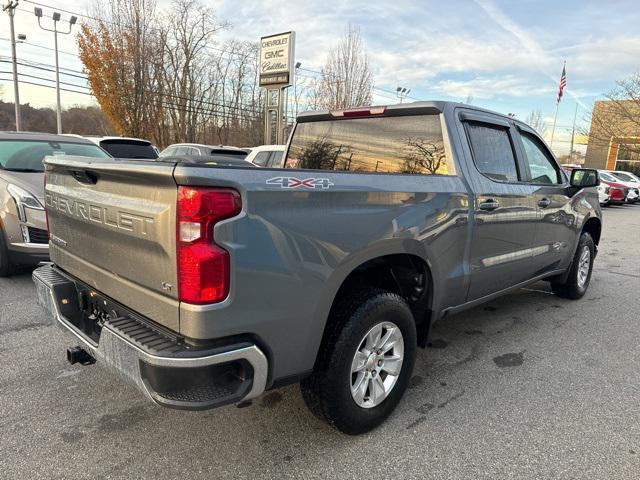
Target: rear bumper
{"points": [[164, 369]]}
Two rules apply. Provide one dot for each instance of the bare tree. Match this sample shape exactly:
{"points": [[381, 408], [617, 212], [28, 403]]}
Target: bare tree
{"points": [[163, 75], [346, 79], [536, 121], [185, 33], [619, 116], [423, 156]]}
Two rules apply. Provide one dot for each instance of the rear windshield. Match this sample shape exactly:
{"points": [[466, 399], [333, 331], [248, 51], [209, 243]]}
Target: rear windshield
{"points": [[128, 149], [27, 155], [408, 144], [238, 154]]}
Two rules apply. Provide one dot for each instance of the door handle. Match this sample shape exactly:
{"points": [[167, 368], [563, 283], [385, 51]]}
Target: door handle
{"points": [[489, 205], [544, 203]]}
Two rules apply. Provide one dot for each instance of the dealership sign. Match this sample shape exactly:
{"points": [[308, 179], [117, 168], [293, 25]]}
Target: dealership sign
{"points": [[276, 59]]}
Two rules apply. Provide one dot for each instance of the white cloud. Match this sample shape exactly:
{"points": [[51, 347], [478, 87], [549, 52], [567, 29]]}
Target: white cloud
{"points": [[489, 87]]}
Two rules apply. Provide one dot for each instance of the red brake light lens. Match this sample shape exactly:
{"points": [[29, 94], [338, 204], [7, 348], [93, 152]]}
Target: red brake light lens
{"points": [[203, 267], [359, 112]]}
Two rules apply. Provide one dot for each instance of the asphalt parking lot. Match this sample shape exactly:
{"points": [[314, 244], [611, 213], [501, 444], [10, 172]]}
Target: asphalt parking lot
{"points": [[528, 386]]}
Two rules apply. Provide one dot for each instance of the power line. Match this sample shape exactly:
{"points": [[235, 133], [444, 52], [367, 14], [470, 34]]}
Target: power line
{"points": [[179, 108], [198, 106], [236, 106], [59, 9], [47, 86], [40, 67], [37, 45], [48, 80]]}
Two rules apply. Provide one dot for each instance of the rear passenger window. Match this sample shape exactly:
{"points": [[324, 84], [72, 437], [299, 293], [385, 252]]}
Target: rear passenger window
{"points": [[492, 151], [541, 166], [276, 160], [181, 151], [261, 159]]}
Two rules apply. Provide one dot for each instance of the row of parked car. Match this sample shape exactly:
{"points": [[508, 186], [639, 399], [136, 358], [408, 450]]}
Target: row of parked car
{"points": [[270, 156], [23, 228], [616, 187]]}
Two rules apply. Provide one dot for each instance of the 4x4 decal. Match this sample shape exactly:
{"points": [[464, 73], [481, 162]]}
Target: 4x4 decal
{"points": [[293, 182]]}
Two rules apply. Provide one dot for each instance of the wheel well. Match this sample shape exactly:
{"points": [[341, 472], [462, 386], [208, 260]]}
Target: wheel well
{"points": [[593, 227], [404, 274]]}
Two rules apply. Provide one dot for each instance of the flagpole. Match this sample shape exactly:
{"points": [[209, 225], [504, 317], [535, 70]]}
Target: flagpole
{"points": [[555, 118]]}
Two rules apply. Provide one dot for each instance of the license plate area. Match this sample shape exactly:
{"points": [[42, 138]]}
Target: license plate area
{"points": [[93, 310]]}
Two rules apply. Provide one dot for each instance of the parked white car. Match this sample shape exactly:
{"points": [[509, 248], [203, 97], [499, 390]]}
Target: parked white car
{"points": [[626, 177], [633, 195], [269, 156], [603, 194]]}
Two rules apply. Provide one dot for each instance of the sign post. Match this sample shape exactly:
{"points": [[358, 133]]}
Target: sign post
{"points": [[276, 75]]}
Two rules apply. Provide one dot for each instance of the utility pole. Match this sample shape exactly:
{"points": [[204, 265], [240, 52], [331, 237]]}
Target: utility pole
{"points": [[573, 134], [10, 8], [56, 18]]}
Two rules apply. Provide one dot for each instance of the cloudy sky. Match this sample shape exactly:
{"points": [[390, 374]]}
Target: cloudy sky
{"points": [[507, 55]]}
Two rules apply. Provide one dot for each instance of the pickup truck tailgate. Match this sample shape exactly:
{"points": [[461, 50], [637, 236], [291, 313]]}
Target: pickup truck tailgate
{"points": [[113, 227]]}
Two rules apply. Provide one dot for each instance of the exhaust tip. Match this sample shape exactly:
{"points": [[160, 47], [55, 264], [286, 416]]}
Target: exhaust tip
{"points": [[79, 355]]}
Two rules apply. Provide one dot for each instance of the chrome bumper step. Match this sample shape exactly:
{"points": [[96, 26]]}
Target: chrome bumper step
{"points": [[167, 370]]}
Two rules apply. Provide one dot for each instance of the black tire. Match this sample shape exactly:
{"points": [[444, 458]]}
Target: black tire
{"points": [[327, 392], [572, 288], [6, 267]]}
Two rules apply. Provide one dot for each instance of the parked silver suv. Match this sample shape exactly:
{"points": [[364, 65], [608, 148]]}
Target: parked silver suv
{"points": [[23, 224]]}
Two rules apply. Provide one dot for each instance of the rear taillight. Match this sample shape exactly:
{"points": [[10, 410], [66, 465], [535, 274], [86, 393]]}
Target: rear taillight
{"points": [[203, 267]]}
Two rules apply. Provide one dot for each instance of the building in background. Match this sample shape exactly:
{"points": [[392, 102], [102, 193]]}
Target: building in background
{"points": [[614, 136]]}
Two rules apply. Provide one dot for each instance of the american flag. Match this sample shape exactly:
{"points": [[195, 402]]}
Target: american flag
{"points": [[563, 83]]}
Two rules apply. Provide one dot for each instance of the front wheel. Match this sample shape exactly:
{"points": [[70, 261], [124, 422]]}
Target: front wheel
{"points": [[6, 267], [364, 363], [580, 272]]}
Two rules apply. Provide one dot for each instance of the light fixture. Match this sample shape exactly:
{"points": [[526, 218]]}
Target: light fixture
{"points": [[56, 16], [38, 12]]}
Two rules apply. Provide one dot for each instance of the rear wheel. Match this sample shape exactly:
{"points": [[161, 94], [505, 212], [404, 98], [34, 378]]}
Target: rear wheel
{"points": [[364, 363], [579, 277]]}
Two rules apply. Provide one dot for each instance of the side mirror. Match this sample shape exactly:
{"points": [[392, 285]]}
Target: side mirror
{"points": [[584, 178]]}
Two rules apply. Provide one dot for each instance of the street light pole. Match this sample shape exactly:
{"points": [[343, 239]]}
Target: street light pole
{"points": [[58, 106], [402, 93], [10, 9], [56, 18], [573, 134]]}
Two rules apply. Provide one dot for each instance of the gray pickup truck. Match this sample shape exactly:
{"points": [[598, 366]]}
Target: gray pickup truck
{"points": [[208, 285]]}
